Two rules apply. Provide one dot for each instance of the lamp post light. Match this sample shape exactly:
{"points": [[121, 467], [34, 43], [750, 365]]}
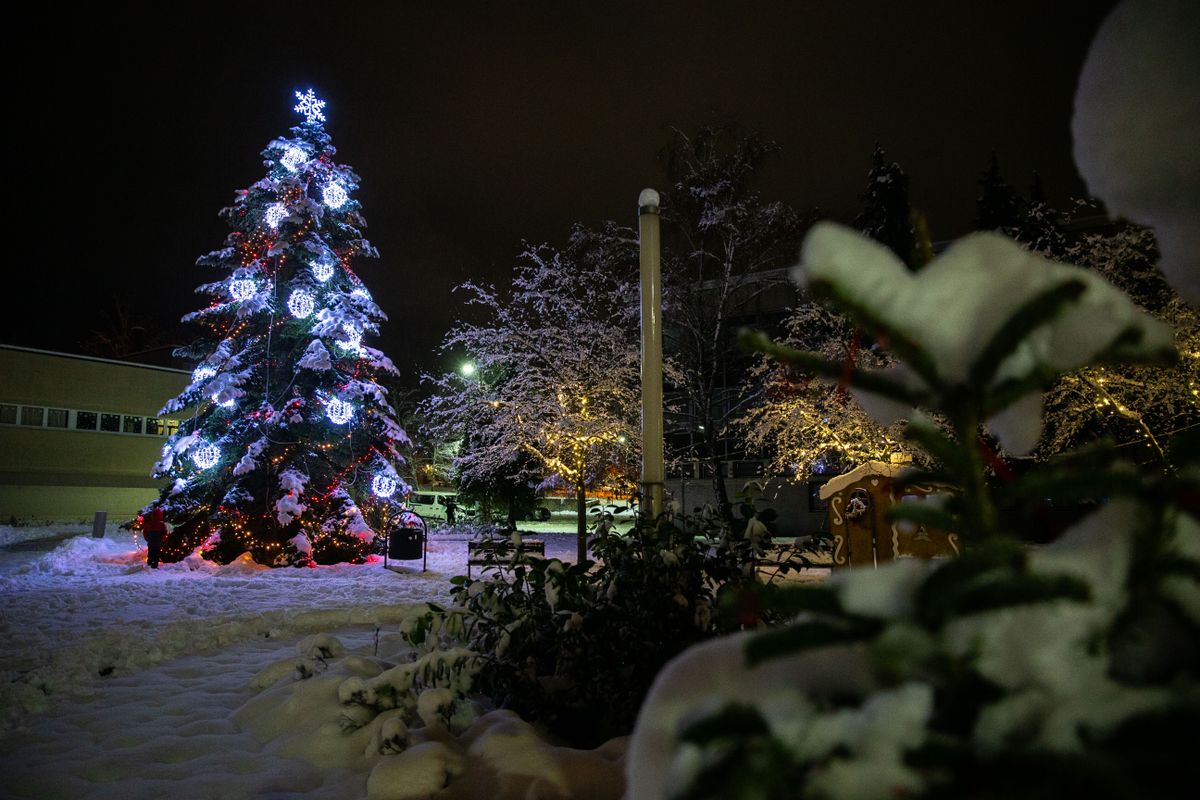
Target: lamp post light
{"points": [[650, 253], [467, 369]]}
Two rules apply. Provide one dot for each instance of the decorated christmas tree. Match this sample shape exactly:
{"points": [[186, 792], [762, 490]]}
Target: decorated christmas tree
{"points": [[288, 447]]}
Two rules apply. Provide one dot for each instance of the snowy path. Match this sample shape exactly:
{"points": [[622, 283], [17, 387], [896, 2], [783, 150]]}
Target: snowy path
{"points": [[126, 683], [90, 610], [168, 732]]}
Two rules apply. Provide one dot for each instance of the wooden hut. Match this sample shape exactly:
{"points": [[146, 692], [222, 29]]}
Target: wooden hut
{"points": [[858, 502]]}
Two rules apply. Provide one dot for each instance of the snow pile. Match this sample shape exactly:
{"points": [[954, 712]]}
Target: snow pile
{"points": [[1136, 125], [288, 506], [494, 754]]}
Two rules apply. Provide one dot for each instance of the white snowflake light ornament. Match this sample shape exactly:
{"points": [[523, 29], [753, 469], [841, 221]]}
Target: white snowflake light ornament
{"points": [[274, 215], [383, 486], [206, 456], [338, 411], [310, 107], [334, 195], [300, 303], [293, 158], [242, 289], [322, 268]]}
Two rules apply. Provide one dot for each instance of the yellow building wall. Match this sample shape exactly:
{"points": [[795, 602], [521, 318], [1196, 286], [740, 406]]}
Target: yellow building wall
{"points": [[67, 474]]}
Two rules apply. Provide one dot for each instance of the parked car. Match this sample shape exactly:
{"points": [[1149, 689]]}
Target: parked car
{"points": [[433, 503]]}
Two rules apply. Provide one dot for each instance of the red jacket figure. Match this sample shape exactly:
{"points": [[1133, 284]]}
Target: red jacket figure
{"points": [[154, 529]]}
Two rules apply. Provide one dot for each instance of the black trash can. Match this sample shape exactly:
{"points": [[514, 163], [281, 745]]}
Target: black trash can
{"points": [[406, 544]]}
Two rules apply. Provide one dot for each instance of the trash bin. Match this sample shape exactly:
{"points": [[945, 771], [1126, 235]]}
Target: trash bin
{"points": [[406, 544]]}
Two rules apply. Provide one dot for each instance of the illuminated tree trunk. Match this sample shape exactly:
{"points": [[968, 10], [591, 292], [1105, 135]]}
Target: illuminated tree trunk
{"points": [[581, 521]]}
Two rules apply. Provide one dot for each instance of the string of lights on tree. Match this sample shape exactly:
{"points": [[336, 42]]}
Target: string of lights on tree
{"points": [[290, 451]]}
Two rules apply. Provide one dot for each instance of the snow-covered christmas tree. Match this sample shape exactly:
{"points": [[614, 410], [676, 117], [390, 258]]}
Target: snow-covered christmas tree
{"points": [[290, 448]]}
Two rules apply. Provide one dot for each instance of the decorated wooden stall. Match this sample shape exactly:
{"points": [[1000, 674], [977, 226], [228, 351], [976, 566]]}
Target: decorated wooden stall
{"points": [[857, 504]]}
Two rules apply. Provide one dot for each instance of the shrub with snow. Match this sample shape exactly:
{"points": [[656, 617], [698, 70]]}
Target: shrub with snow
{"points": [[1068, 670]]}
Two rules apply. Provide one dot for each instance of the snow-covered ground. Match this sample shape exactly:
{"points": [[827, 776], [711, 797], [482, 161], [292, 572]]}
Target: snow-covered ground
{"points": [[130, 682]]}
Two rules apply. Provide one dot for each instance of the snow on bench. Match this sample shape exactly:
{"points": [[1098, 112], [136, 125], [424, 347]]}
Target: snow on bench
{"points": [[502, 553]]}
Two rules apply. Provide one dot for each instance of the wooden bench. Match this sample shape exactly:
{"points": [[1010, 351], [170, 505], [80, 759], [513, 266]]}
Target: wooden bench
{"points": [[487, 552]]}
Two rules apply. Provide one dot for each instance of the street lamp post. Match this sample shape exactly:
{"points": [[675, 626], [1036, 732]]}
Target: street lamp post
{"points": [[650, 250]]}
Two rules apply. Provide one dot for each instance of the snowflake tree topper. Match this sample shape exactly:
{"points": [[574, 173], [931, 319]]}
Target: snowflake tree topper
{"points": [[310, 107]]}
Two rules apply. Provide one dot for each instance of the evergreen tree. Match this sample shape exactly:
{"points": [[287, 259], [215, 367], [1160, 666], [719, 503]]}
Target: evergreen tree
{"points": [[1039, 227], [291, 444], [887, 214], [998, 207], [1033, 222]]}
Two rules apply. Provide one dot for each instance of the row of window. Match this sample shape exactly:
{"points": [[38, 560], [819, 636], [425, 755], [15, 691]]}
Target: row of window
{"points": [[70, 419]]}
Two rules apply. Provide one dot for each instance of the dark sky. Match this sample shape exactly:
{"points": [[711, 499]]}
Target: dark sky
{"points": [[477, 126]]}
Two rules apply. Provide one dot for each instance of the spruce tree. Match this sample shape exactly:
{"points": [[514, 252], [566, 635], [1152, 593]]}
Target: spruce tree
{"points": [[887, 213], [998, 207], [289, 443]]}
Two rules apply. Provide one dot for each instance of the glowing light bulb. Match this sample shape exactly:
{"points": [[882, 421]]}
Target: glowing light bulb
{"points": [[338, 411], [383, 486], [242, 289], [334, 195], [300, 303], [207, 455], [292, 158], [274, 215], [216, 398]]}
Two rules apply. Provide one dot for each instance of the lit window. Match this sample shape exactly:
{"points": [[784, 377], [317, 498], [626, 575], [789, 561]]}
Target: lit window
{"points": [[172, 426], [85, 420], [33, 416], [155, 426], [8, 414], [133, 425], [110, 423], [57, 417]]}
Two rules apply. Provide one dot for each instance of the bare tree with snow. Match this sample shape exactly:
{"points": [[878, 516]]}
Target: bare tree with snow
{"points": [[1138, 406], [726, 249], [556, 369]]}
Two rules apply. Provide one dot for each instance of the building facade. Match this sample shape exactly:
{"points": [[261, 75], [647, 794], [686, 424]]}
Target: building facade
{"points": [[80, 434]]}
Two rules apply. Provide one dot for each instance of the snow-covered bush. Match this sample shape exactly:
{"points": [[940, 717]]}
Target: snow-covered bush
{"points": [[1066, 670], [576, 646]]}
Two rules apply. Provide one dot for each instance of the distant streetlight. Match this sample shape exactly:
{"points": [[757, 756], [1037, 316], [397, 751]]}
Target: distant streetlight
{"points": [[467, 369]]}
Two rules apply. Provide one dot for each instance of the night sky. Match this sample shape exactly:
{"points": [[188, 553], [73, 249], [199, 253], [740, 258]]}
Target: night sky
{"points": [[478, 126]]}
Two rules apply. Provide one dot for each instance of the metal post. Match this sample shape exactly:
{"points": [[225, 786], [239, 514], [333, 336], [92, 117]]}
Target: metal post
{"points": [[650, 248]]}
